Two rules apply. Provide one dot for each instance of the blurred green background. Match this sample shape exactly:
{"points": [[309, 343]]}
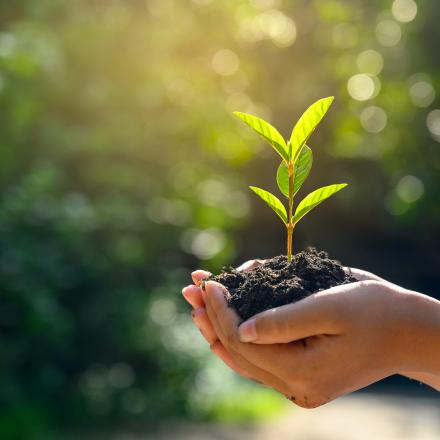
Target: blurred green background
{"points": [[122, 169]]}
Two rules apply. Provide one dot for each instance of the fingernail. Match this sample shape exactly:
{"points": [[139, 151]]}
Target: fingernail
{"points": [[198, 312], [185, 292], [197, 283], [214, 288], [247, 331]]}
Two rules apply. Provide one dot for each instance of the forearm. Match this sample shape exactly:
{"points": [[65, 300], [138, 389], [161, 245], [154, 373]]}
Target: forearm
{"points": [[420, 342]]}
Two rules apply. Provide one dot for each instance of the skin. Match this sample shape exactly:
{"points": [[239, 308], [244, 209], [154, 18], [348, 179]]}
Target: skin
{"points": [[330, 344]]}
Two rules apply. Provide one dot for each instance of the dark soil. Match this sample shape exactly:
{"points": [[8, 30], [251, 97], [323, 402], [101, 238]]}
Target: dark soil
{"points": [[277, 282]]}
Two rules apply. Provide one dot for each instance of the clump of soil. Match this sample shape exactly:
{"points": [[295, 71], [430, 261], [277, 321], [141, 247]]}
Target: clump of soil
{"points": [[277, 282]]}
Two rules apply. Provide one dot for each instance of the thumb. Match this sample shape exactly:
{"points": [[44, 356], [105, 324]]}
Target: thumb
{"points": [[311, 316]]}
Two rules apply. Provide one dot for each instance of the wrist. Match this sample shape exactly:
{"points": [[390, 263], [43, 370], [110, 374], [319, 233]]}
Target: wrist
{"points": [[417, 334]]}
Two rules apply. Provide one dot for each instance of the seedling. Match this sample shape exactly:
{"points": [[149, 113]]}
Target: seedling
{"points": [[295, 166]]}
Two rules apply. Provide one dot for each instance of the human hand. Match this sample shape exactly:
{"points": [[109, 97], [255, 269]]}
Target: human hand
{"points": [[329, 331], [193, 294], [321, 347]]}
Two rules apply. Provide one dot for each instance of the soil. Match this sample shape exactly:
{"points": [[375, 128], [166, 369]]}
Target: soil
{"points": [[277, 282]]}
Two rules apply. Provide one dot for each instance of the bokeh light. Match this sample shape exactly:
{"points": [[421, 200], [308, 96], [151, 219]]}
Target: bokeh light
{"points": [[205, 243], [373, 119], [404, 10], [433, 123], [370, 61], [409, 189], [421, 90], [388, 33], [225, 62], [362, 87], [271, 25]]}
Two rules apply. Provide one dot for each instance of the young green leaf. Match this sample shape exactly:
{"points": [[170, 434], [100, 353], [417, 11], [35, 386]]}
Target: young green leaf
{"points": [[314, 199], [272, 201], [267, 131], [302, 169], [307, 124]]}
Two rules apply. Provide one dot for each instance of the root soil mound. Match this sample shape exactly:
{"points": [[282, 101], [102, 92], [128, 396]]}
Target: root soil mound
{"points": [[277, 282]]}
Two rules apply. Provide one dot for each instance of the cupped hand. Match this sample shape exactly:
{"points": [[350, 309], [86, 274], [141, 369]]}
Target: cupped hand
{"points": [[210, 331], [324, 346], [196, 297], [193, 294]]}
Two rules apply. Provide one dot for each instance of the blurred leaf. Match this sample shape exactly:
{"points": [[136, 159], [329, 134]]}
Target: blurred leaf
{"points": [[267, 131], [314, 199], [272, 201], [302, 169], [307, 123]]}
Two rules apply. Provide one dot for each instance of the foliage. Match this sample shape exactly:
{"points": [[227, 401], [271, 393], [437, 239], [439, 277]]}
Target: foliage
{"points": [[295, 166]]}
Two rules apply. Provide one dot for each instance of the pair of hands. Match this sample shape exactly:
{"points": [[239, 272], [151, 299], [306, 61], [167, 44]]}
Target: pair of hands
{"points": [[327, 345]]}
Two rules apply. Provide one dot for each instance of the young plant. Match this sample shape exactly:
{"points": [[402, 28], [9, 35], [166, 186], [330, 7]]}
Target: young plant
{"points": [[296, 163]]}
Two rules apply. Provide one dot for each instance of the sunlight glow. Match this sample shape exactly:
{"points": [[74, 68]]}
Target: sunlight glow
{"points": [[269, 25]]}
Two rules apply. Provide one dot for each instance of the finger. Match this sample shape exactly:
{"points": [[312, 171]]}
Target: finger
{"points": [[228, 323], [193, 295], [225, 323], [199, 275], [249, 265], [362, 275], [218, 349], [201, 320], [312, 316]]}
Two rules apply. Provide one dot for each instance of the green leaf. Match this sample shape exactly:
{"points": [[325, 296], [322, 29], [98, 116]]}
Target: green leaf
{"points": [[273, 201], [314, 199], [306, 125], [283, 178], [302, 169], [267, 131]]}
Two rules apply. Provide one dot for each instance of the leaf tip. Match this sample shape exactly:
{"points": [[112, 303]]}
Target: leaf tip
{"points": [[328, 100], [238, 115]]}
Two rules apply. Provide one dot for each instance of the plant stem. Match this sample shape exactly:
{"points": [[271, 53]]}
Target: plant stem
{"points": [[291, 169], [289, 243]]}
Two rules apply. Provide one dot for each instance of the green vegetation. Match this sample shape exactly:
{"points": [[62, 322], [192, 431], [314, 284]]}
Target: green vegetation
{"points": [[297, 159]]}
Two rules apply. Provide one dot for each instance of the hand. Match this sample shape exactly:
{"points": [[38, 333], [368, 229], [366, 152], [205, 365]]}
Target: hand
{"points": [[357, 330], [193, 294]]}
